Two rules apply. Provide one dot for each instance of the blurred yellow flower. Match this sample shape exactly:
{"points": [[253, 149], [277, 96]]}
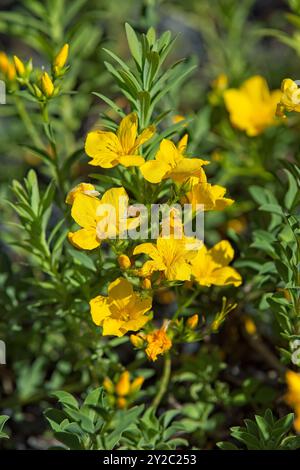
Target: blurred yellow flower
{"points": [[218, 86], [220, 83], [171, 256], [109, 150], [47, 86], [123, 310], [206, 194], [81, 188], [170, 162], [290, 97], [293, 395], [210, 267], [158, 343], [252, 107], [6, 67], [250, 326], [99, 219]]}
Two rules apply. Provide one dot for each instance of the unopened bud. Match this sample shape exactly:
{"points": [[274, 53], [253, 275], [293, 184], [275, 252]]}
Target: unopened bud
{"points": [[124, 262], [123, 385], [47, 85], [61, 57], [20, 67], [192, 321], [136, 384]]}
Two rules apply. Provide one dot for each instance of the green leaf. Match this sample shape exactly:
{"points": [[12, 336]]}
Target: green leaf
{"points": [[134, 44], [65, 398]]}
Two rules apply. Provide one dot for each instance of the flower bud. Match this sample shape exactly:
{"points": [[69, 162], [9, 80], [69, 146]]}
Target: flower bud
{"points": [[192, 322], [124, 262], [37, 91], [136, 384], [121, 403], [146, 283], [250, 326], [137, 341], [81, 188], [108, 385], [61, 58], [4, 63], [47, 85], [20, 67], [123, 385]]}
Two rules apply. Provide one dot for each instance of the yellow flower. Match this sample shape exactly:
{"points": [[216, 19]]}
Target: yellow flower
{"points": [[61, 58], [123, 385], [290, 96], [123, 310], [158, 342], [99, 219], [124, 261], [20, 67], [293, 395], [170, 162], [210, 267], [171, 256], [209, 195], [47, 86], [192, 321], [108, 149], [252, 107], [81, 188]]}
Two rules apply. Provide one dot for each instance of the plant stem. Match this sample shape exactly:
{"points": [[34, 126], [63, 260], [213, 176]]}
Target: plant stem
{"points": [[27, 122], [164, 381]]}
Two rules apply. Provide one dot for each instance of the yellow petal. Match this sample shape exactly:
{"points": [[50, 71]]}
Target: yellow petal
{"points": [[131, 160], [127, 132], [112, 327], [182, 144], [145, 135], [99, 309], [154, 171], [226, 276], [222, 253], [120, 289], [186, 168], [84, 239], [104, 147], [84, 210]]}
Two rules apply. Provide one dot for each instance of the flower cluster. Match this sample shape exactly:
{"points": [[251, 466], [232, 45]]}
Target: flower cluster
{"points": [[147, 267]]}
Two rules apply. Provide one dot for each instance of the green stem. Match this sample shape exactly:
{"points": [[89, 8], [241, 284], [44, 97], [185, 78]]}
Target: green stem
{"points": [[27, 122], [164, 381]]}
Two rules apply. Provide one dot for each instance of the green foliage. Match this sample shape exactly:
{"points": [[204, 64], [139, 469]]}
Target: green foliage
{"points": [[265, 433], [95, 425], [3, 419]]}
